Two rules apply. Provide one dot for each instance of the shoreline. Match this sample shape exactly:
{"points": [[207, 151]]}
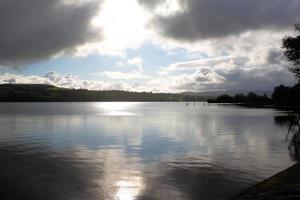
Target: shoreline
{"points": [[282, 186]]}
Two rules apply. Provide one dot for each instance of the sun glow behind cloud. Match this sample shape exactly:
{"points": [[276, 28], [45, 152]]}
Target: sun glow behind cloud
{"points": [[214, 49], [123, 23]]}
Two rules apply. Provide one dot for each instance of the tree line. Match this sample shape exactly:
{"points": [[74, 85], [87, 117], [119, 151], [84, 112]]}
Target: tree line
{"points": [[282, 95], [250, 99], [50, 93]]}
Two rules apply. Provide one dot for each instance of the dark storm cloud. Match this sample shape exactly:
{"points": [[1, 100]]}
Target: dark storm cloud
{"points": [[33, 30], [238, 79], [202, 19]]}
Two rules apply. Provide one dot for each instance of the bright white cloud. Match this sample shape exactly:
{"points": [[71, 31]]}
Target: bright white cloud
{"points": [[124, 26], [138, 62], [209, 78], [135, 61], [195, 64], [123, 75], [120, 64], [61, 80], [136, 73]]}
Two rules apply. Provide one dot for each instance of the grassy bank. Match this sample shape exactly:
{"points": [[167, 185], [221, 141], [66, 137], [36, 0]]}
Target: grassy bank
{"points": [[282, 186]]}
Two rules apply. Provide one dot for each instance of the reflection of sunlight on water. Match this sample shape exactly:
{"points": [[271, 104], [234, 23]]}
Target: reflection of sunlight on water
{"points": [[119, 113], [129, 189], [117, 108]]}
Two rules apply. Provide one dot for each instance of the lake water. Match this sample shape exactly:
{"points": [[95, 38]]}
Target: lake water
{"points": [[87, 151]]}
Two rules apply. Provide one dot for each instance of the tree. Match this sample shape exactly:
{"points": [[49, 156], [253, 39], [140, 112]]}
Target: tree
{"points": [[239, 98], [292, 50], [224, 98], [251, 97], [280, 95]]}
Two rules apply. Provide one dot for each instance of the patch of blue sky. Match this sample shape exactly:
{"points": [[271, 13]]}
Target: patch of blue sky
{"points": [[80, 66], [154, 60]]}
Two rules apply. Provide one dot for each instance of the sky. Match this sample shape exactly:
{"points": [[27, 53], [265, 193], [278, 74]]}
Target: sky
{"points": [[147, 45]]}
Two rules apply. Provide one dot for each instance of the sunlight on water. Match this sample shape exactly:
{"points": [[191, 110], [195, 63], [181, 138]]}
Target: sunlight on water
{"points": [[129, 188], [117, 108], [148, 151]]}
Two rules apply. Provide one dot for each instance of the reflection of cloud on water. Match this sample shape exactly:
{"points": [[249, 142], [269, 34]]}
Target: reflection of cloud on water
{"points": [[78, 173], [236, 140], [122, 178], [162, 153], [45, 175], [239, 140], [193, 179], [81, 173]]}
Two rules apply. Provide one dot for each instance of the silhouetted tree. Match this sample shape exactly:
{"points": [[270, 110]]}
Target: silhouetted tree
{"points": [[292, 50], [239, 98], [280, 95], [294, 139], [225, 98], [291, 96], [251, 97]]}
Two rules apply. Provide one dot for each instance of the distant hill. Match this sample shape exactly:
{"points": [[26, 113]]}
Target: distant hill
{"points": [[229, 92], [49, 93]]}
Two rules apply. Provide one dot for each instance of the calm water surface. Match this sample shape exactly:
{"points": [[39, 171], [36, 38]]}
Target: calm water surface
{"points": [[127, 151]]}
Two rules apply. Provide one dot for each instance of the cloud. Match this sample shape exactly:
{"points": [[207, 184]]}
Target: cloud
{"points": [[63, 80], [224, 44], [225, 76], [149, 3], [120, 64], [211, 19], [34, 30], [123, 75], [133, 74], [227, 73], [135, 61], [195, 64], [124, 27], [237, 79]]}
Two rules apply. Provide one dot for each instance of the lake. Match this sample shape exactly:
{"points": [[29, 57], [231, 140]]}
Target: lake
{"points": [[120, 150]]}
